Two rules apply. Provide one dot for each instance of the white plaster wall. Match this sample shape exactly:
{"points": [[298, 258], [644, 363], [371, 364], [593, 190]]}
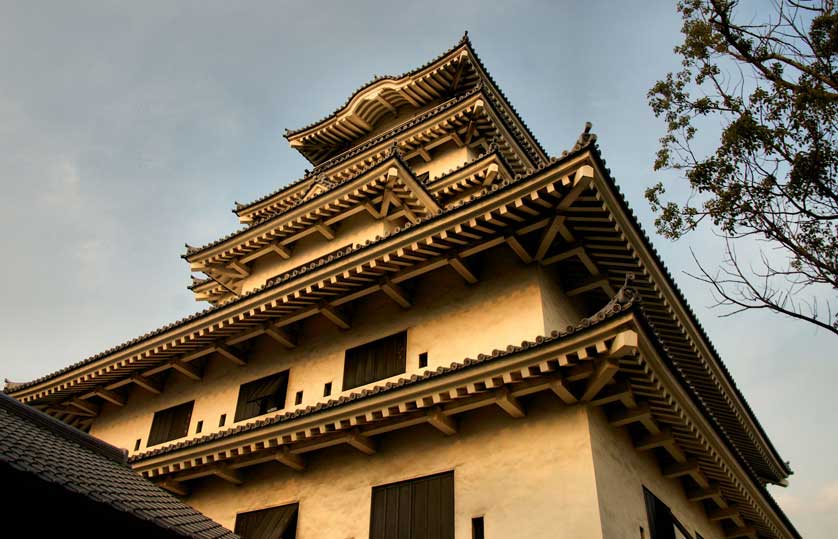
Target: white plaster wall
{"points": [[450, 320], [529, 478], [558, 310], [621, 474], [444, 159], [356, 229]]}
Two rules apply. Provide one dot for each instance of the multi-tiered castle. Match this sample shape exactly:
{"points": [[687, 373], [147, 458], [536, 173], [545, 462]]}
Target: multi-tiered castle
{"points": [[438, 331]]}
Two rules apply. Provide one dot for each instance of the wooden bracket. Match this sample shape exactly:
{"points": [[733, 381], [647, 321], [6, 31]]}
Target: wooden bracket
{"points": [[442, 422], [110, 396], [603, 373], [460, 267], [509, 403], [362, 443], [231, 354], [335, 316], [147, 383], [185, 369], [292, 460], [395, 292]]}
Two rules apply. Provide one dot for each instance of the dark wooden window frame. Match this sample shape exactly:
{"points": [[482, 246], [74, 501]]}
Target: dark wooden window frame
{"points": [[272, 523], [261, 396], [375, 360], [662, 523], [170, 424], [421, 508]]}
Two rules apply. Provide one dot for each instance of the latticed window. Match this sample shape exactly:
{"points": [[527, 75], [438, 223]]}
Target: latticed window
{"points": [[375, 361], [170, 424], [262, 396], [274, 523], [417, 509]]}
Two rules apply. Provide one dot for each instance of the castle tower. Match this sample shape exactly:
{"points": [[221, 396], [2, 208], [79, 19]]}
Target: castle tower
{"points": [[438, 331]]}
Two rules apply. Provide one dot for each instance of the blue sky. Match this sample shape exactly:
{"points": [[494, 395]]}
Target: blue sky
{"points": [[127, 129]]}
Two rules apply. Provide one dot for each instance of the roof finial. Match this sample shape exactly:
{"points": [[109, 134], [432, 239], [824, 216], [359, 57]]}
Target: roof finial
{"points": [[585, 138], [395, 150], [465, 38]]}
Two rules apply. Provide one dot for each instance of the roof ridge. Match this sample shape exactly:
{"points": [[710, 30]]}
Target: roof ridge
{"points": [[377, 78], [355, 150]]}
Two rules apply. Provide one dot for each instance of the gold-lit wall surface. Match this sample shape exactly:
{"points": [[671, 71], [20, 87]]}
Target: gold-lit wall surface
{"points": [[449, 320]]}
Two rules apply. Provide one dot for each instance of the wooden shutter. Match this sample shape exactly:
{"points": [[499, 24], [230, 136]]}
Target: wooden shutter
{"points": [[170, 424], [376, 360], [418, 509], [274, 523], [258, 396]]}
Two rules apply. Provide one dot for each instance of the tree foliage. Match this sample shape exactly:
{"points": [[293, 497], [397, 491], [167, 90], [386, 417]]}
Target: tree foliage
{"points": [[767, 74]]}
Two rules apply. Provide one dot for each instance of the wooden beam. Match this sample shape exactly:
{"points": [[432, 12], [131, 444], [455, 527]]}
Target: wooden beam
{"points": [[619, 391], [185, 369], [362, 443], [699, 494], [653, 441], [516, 246], [591, 284], [175, 487], [628, 416], [231, 354], [679, 469], [282, 250], [147, 383], [334, 316], [441, 422], [87, 407], [561, 388], [285, 338], [509, 403], [461, 62], [396, 293], [228, 474], [549, 235], [324, 229], [736, 533], [624, 344], [110, 396], [491, 174], [582, 183], [386, 199], [604, 372], [460, 267], [242, 269], [722, 513], [293, 461]]}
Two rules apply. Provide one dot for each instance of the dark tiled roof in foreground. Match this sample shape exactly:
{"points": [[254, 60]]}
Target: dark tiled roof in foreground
{"points": [[622, 302], [35, 443]]}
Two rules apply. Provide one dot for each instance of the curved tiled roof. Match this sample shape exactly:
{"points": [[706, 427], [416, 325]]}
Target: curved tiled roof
{"points": [[378, 78], [352, 152], [464, 41], [66, 458]]}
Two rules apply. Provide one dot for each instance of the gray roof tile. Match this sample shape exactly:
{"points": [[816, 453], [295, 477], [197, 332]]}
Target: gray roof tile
{"points": [[55, 452]]}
